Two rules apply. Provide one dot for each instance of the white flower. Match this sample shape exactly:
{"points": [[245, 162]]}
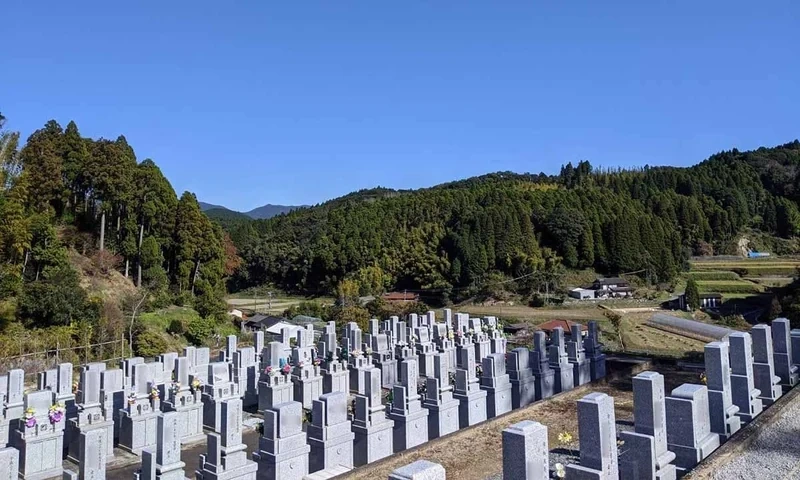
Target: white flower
{"points": [[561, 472], [368, 351]]}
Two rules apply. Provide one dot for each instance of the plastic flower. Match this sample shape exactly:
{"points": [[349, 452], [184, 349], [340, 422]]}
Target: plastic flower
{"points": [[286, 369], [317, 362], [154, 393], [56, 412], [561, 472], [132, 399], [450, 335], [29, 417], [471, 331], [176, 387], [301, 364], [368, 351], [564, 438], [355, 353], [197, 384], [703, 378]]}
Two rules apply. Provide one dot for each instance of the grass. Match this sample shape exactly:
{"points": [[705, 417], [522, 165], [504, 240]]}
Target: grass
{"points": [[713, 275], [724, 286]]}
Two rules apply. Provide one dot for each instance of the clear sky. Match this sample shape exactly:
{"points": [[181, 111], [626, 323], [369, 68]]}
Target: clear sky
{"points": [[296, 102]]}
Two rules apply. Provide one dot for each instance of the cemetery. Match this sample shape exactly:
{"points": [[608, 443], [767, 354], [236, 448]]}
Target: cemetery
{"points": [[324, 404]]}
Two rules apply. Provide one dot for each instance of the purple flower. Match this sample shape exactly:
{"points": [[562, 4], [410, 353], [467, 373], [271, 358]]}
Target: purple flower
{"points": [[56, 416], [31, 422]]}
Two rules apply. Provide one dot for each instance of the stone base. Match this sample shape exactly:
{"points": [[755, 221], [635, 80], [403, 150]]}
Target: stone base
{"points": [[39, 457], [577, 472], [498, 400], [190, 421], [545, 385], [750, 405], [523, 392], [426, 364], [410, 429], [443, 419], [686, 458], [471, 408], [307, 390], [373, 443], [723, 418], [271, 395], [137, 433], [562, 376], [331, 452], [638, 460], [72, 449], [388, 373], [336, 382], [581, 373], [598, 367], [332, 472], [290, 464]]}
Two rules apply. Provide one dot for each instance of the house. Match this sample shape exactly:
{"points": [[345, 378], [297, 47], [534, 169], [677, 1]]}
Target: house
{"points": [[582, 293], [566, 325], [708, 301], [261, 322], [609, 284], [276, 328], [516, 328], [395, 297]]}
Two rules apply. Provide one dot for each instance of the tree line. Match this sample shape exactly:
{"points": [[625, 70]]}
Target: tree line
{"points": [[61, 191], [448, 240]]}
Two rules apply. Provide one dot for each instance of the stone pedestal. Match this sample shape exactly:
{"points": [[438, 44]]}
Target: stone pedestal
{"points": [[540, 365], [138, 418], [764, 376], [743, 391], [523, 383], [594, 352], [410, 419], [722, 411], [219, 389], [329, 434], [282, 449], [472, 400], [40, 441], [598, 439], [419, 470], [782, 354], [186, 401], [373, 431], [442, 407], [559, 362], [91, 417], [576, 356], [226, 458], [689, 433], [495, 382], [335, 377]]}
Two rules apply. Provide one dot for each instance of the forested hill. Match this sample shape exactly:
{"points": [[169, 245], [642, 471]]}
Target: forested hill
{"points": [[450, 238]]}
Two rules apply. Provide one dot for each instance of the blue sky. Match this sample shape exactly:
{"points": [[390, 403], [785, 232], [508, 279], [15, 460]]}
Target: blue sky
{"points": [[255, 102]]}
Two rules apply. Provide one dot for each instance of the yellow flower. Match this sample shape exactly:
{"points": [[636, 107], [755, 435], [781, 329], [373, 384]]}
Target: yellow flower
{"points": [[564, 438]]}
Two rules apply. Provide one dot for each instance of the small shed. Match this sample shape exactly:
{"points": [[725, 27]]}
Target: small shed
{"points": [[582, 293]]}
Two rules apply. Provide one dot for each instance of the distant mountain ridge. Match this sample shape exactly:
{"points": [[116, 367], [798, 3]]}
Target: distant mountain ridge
{"points": [[259, 213]]}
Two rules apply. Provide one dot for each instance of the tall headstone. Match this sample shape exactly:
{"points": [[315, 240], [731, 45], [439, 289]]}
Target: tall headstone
{"points": [[383, 358], [795, 342], [525, 452], [439, 401], [419, 470], [763, 367], [9, 463], [12, 388], [113, 397], [329, 434], [275, 380], [480, 338], [410, 419], [722, 412], [594, 352], [258, 343], [645, 455], [743, 391], [40, 436], [306, 374], [598, 439], [91, 416], [186, 400], [545, 382], [497, 385], [425, 349], [443, 336], [335, 377], [219, 389], [245, 375], [283, 452], [92, 453], [202, 359], [472, 400], [559, 362], [372, 428], [689, 433], [523, 383], [138, 420], [65, 396], [226, 457], [576, 355], [782, 352]]}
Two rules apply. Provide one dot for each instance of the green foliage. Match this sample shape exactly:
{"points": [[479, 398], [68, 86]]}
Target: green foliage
{"points": [[310, 308], [692, 294], [713, 275], [380, 308], [149, 343], [719, 286], [200, 330], [343, 315], [55, 299], [176, 327]]}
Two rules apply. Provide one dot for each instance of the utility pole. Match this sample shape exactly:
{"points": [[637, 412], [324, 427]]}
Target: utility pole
{"points": [[270, 302]]}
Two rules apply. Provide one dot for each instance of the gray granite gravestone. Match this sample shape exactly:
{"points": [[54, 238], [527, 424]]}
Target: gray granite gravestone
{"points": [[559, 362], [13, 386], [374, 438], [186, 400], [419, 470], [202, 358], [113, 397], [40, 440], [92, 455], [138, 419], [245, 374], [594, 352], [231, 345], [782, 354], [226, 457], [743, 391], [9, 463], [410, 419], [335, 376], [598, 439], [645, 455], [689, 433], [439, 401], [443, 337], [545, 382], [497, 385], [764, 376], [576, 355], [274, 383], [480, 339], [283, 452], [472, 399], [329, 434], [91, 415], [258, 344], [425, 349], [721, 410], [795, 343], [220, 388], [523, 383], [525, 452], [306, 372]]}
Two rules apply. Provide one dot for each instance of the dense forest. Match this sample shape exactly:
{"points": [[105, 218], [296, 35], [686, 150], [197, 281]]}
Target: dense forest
{"points": [[64, 196], [449, 240]]}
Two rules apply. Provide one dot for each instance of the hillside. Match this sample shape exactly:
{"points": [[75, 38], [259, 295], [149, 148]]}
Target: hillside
{"points": [[451, 239], [259, 213]]}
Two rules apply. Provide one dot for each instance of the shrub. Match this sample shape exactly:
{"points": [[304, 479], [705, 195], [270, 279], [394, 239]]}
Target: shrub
{"points": [[199, 330], [175, 327], [149, 343]]}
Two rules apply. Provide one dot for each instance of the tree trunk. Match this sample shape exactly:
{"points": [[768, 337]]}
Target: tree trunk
{"points": [[103, 231], [196, 272], [139, 257], [127, 264]]}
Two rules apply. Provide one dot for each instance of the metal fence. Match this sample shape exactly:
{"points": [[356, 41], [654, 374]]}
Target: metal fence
{"points": [[35, 362]]}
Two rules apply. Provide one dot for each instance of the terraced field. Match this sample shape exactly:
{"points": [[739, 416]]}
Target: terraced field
{"points": [[729, 286]]}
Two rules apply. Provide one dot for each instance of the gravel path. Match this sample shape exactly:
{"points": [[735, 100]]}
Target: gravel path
{"points": [[773, 453]]}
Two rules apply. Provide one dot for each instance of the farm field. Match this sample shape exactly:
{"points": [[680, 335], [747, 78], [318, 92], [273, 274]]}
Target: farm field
{"points": [[729, 286]]}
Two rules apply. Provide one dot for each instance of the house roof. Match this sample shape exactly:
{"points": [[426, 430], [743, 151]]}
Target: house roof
{"points": [[399, 296], [611, 281], [710, 295], [263, 321], [566, 325], [279, 326]]}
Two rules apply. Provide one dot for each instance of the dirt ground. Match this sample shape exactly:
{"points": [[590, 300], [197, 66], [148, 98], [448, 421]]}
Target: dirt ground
{"points": [[476, 453]]}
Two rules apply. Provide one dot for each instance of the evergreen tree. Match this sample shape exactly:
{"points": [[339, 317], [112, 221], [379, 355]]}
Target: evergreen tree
{"points": [[692, 294]]}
